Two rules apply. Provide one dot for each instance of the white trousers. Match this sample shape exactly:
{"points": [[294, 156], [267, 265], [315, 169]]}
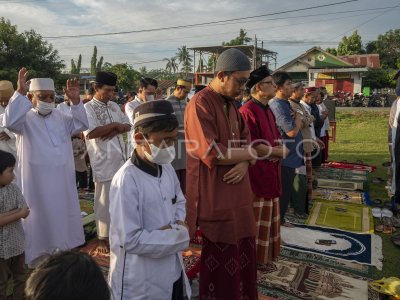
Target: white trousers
{"points": [[102, 208]]}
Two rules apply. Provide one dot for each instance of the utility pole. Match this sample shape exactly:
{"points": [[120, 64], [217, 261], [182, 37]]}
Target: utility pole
{"points": [[255, 53]]}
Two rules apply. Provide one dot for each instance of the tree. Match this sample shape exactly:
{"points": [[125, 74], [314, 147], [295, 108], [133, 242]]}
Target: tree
{"points": [[172, 65], [370, 47], [93, 62], [388, 47], [73, 67], [331, 51], [185, 59], [379, 78], [200, 65], [212, 61], [242, 39], [351, 45], [99, 65], [79, 64], [27, 49], [128, 78], [76, 68], [143, 71]]}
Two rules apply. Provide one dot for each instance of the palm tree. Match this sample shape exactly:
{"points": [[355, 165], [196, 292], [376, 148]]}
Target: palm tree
{"points": [[185, 59], [171, 65]]}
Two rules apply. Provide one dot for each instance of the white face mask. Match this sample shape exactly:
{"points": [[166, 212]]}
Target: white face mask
{"points": [[160, 156], [149, 98], [45, 108]]}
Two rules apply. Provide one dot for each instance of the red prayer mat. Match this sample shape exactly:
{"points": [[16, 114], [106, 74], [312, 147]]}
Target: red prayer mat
{"points": [[347, 165]]}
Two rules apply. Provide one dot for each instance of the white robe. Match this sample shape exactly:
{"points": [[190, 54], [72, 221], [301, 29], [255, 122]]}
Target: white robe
{"points": [[46, 175], [64, 107], [8, 146], [308, 108], [145, 262]]}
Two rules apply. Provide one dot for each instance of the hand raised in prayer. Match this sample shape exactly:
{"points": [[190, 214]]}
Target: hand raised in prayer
{"points": [[72, 91], [4, 136], [22, 84], [236, 174]]}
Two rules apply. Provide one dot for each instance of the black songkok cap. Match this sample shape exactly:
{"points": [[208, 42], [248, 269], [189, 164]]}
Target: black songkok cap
{"points": [[108, 78], [153, 111], [257, 75]]}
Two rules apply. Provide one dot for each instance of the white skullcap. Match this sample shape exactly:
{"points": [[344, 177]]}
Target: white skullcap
{"points": [[41, 84]]}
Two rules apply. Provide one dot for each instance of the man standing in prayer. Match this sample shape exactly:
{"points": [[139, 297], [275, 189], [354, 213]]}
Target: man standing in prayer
{"points": [[218, 191], [45, 164], [65, 106], [7, 138], [106, 148], [303, 180], [178, 101], [265, 176], [147, 90], [289, 123]]}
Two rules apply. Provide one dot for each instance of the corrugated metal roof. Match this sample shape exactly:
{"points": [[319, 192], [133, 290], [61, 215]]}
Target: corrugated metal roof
{"points": [[363, 60]]}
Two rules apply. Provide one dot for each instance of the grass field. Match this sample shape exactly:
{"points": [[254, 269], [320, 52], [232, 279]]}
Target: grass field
{"points": [[362, 135]]}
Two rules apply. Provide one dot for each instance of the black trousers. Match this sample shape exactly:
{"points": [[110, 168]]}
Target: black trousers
{"points": [[81, 179], [177, 291], [288, 175]]}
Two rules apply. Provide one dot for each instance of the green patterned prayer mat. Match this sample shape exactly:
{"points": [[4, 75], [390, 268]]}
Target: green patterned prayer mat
{"points": [[345, 216], [330, 262], [301, 280], [341, 174], [338, 195]]}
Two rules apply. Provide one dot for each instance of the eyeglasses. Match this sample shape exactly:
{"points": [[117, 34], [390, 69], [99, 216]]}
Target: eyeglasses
{"points": [[268, 82], [240, 81]]}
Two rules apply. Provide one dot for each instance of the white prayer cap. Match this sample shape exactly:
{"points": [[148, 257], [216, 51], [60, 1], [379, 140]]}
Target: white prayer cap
{"points": [[41, 84]]}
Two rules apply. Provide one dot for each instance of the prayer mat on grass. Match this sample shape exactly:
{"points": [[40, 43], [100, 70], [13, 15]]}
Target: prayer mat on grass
{"points": [[86, 206], [191, 259], [361, 248], [308, 281], [341, 174], [345, 216], [351, 166], [341, 184], [326, 261], [338, 195]]}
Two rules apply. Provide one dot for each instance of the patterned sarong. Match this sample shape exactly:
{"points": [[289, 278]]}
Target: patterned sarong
{"points": [[228, 271], [268, 240]]}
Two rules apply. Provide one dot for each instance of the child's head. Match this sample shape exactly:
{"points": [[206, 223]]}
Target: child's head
{"points": [[67, 276], [7, 163], [156, 130]]}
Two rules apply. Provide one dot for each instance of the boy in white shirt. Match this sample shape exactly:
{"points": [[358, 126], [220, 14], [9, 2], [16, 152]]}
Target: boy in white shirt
{"points": [[147, 212]]}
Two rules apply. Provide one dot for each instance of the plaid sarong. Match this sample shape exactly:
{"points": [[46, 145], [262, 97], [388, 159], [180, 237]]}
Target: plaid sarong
{"points": [[268, 239]]}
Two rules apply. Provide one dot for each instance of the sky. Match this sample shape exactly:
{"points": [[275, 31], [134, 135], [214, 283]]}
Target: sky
{"points": [[288, 27]]}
